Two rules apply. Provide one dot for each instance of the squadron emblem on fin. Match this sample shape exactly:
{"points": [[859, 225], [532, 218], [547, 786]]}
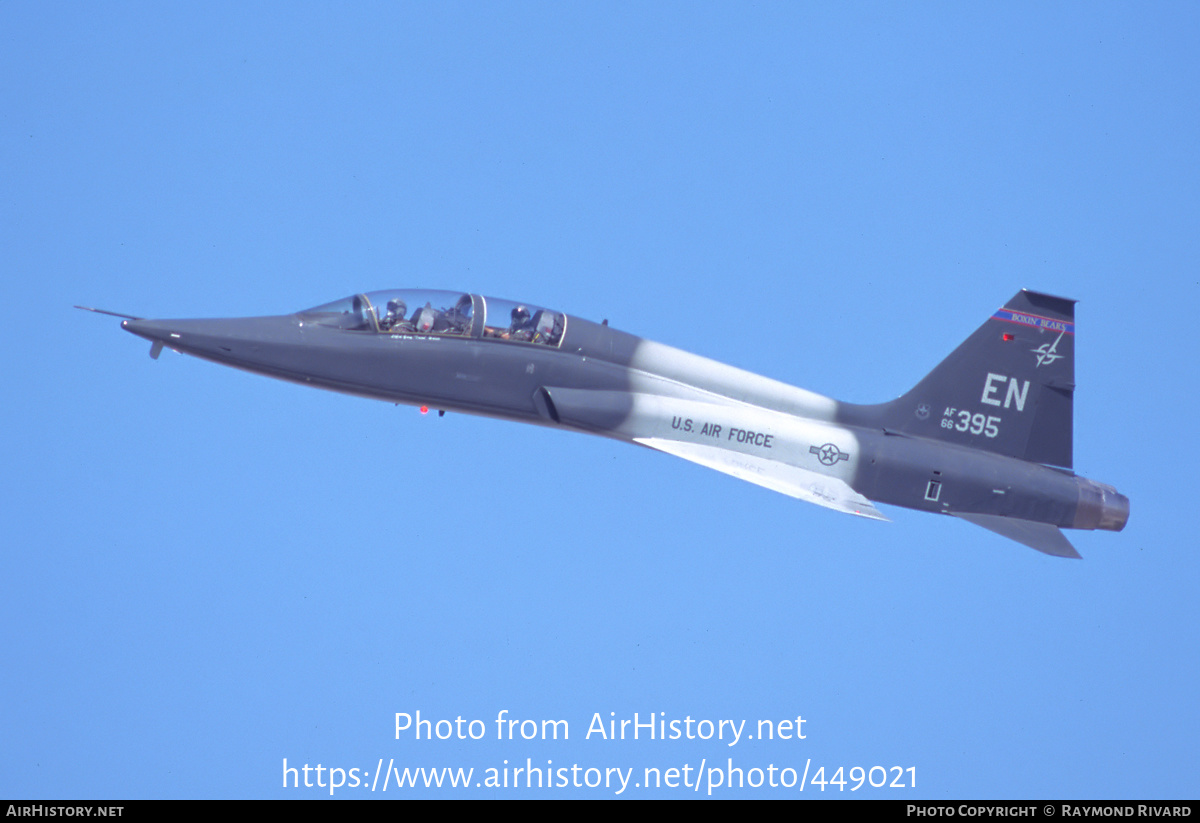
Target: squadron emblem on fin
{"points": [[1047, 352]]}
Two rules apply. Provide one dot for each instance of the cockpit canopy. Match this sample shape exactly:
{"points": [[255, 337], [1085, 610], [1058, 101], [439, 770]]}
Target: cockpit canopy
{"points": [[442, 313]]}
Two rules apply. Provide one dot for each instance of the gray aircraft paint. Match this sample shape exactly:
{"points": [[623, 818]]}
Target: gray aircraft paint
{"points": [[986, 436]]}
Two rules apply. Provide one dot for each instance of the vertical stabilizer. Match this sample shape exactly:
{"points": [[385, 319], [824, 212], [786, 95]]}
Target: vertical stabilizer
{"points": [[1007, 389]]}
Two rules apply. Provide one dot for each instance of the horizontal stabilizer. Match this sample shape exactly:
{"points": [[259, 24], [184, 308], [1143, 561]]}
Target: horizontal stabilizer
{"points": [[801, 484], [1041, 536]]}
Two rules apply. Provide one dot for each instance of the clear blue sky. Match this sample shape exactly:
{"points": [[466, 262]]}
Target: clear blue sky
{"points": [[206, 572]]}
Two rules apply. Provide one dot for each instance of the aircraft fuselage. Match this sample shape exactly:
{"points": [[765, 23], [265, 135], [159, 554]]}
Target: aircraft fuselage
{"points": [[971, 440]]}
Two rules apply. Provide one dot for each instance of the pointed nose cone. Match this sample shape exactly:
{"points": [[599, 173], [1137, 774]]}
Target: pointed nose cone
{"points": [[155, 330], [264, 344], [142, 328]]}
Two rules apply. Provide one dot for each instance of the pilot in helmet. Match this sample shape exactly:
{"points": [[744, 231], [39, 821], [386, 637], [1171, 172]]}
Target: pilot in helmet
{"points": [[396, 309], [519, 330]]}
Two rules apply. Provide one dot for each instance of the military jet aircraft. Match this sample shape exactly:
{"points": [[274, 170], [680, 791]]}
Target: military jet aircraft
{"points": [[985, 437]]}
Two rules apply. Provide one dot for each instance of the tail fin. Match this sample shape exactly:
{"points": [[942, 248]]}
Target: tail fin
{"points": [[1008, 388]]}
